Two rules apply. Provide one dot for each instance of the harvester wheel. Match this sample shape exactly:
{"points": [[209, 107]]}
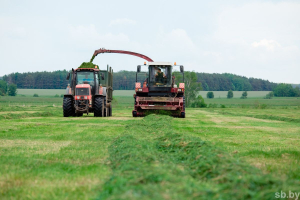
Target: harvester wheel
{"points": [[134, 114], [182, 114], [98, 107], [68, 107]]}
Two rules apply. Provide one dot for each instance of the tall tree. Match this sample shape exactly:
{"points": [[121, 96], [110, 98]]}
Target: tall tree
{"points": [[12, 90], [244, 95], [229, 94], [3, 88], [210, 95], [284, 90], [192, 88]]}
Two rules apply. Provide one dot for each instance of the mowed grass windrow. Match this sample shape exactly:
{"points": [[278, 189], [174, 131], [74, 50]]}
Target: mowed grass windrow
{"points": [[246, 149]]}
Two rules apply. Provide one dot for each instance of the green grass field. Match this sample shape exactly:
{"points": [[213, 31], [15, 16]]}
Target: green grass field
{"points": [[247, 150]]}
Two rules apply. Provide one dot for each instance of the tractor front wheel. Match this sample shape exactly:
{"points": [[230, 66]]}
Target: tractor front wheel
{"points": [[68, 107]]}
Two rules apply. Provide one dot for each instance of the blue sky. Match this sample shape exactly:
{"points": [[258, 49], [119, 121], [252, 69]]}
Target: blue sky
{"points": [[258, 39]]}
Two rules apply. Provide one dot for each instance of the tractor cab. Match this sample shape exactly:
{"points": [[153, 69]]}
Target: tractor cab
{"points": [[88, 77]]}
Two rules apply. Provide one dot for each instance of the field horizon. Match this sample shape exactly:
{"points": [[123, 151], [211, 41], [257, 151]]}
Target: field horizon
{"points": [[217, 94]]}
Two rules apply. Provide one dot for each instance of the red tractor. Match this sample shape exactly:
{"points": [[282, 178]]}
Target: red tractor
{"points": [[90, 91], [159, 91]]}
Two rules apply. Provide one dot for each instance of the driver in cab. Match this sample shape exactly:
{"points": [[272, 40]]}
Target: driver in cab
{"points": [[159, 76]]}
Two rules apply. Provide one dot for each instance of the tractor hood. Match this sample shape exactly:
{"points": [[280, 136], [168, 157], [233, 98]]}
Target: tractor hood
{"points": [[83, 86], [83, 90]]}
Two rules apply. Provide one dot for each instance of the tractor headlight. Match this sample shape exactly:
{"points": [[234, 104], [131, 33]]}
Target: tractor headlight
{"points": [[85, 97], [140, 90], [179, 90], [78, 97]]}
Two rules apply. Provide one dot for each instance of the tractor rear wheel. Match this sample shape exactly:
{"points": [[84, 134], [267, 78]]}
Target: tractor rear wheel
{"points": [[68, 107], [98, 107], [100, 103]]}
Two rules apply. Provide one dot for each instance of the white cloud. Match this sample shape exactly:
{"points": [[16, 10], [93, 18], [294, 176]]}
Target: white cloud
{"points": [[270, 45], [123, 21]]}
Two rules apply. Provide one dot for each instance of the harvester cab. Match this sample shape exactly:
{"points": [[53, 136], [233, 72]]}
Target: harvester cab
{"points": [[159, 91]]}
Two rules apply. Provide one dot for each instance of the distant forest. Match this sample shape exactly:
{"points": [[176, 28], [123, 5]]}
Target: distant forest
{"points": [[124, 80]]}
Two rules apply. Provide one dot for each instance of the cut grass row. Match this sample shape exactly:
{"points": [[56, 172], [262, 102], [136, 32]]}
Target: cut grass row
{"points": [[164, 164]]}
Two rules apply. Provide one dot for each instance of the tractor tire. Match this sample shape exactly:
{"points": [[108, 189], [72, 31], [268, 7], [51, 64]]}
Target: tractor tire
{"points": [[110, 111], [68, 107], [98, 107]]}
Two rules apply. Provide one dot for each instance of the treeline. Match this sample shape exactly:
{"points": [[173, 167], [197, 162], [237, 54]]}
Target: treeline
{"points": [[225, 82], [38, 80], [124, 80]]}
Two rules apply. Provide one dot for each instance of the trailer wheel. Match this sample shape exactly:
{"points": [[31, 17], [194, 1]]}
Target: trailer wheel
{"points": [[184, 103], [110, 111], [98, 107], [104, 112], [68, 107]]}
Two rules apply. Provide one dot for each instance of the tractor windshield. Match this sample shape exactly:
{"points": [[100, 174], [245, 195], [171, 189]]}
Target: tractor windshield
{"points": [[160, 75], [85, 78]]}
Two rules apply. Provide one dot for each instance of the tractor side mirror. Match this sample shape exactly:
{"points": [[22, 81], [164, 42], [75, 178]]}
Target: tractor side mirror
{"points": [[181, 68], [138, 68], [68, 76], [102, 76]]}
